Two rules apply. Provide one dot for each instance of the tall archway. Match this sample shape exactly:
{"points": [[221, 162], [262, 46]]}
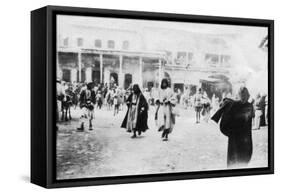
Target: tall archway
{"points": [[128, 80], [114, 78], [66, 75], [96, 76]]}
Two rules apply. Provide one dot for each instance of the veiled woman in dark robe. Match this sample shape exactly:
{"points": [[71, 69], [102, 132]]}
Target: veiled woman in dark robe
{"points": [[236, 123], [136, 117]]}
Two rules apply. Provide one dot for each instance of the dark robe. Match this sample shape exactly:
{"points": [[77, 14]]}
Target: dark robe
{"points": [[262, 104], [88, 103], [236, 123], [141, 124]]}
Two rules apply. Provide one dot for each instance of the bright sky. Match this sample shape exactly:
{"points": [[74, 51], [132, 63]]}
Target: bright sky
{"points": [[253, 34]]}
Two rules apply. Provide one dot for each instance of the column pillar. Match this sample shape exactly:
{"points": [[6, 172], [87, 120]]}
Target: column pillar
{"points": [[121, 80], [106, 76], [88, 74], [59, 73], [73, 75], [101, 68], [58, 66], [80, 66], [140, 73], [160, 72]]}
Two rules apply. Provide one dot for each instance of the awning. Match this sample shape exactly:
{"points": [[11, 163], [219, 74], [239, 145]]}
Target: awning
{"points": [[209, 80]]}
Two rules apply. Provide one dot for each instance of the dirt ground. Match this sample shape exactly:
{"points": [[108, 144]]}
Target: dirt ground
{"points": [[108, 150]]}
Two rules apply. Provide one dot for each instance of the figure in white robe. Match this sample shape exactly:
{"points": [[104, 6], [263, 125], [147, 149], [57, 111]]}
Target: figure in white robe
{"points": [[165, 110]]}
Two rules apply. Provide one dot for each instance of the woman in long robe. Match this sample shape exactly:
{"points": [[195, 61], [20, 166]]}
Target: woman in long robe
{"points": [[136, 117]]}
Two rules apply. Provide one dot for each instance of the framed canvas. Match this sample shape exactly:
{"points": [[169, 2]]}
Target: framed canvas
{"points": [[126, 96]]}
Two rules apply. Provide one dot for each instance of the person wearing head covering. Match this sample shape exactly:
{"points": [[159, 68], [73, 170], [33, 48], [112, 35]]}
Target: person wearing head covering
{"points": [[266, 110], [117, 100], [235, 118], [258, 111], [206, 105], [165, 103], [60, 96], [99, 99], [198, 105], [87, 102], [136, 117]]}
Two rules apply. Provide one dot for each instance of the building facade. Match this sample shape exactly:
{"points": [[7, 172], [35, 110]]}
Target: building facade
{"points": [[122, 56]]}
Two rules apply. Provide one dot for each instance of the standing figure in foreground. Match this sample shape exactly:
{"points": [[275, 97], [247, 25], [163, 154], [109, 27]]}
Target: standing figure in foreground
{"points": [[117, 101], [258, 111], [198, 104], [87, 102], [266, 110], [164, 116], [99, 99], [60, 96], [236, 123], [115, 104], [136, 117]]}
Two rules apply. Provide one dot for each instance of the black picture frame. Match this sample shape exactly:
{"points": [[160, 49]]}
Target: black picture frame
{"points": [[43, 88]]}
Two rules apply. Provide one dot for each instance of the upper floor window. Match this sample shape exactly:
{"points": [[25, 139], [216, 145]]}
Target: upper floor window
{"points": [[110, 44], [181, 58], [181, 54], [169, 55], [65, 41], [79, 42], [98, 43], [212, 59], [125, 45], [190, 56], [225, 59]]}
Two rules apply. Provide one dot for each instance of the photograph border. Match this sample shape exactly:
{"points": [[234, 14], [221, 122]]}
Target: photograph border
{"points": [[48, 131]]}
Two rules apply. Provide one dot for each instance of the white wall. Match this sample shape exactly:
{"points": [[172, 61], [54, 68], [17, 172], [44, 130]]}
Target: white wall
{"points": [[15, 95]]}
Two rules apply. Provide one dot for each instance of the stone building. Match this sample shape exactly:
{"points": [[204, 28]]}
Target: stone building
{"points": [[144, 56], [104, 55]]}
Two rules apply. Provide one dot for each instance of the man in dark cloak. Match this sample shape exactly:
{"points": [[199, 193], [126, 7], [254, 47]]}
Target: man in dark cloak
{"points": [[236, 123]]}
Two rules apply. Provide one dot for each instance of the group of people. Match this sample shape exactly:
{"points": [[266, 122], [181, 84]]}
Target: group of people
{"points": [[137, 114], [111, 96], [90, 97], [261, 110], [235, 116]]}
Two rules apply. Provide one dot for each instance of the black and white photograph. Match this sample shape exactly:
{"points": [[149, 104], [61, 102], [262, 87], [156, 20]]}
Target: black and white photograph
{"points": [[142, 97]]}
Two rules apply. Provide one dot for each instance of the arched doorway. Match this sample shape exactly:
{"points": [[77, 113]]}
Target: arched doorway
{"points": [[66, 74], [113, 78], [95, 76], [128, 80]]}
